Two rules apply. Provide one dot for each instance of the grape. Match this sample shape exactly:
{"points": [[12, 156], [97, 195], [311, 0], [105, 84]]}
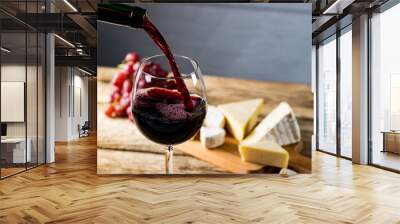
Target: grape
{"points": [[156, 70], [126, 95], [127, 86], [119, 78], [132, 58], [130, 70], [120, 111], [125, 102], [110, 111], [115, 97]]}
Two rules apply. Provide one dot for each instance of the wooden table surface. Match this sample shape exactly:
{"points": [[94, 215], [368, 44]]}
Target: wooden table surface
{"points": [[118, 139]]}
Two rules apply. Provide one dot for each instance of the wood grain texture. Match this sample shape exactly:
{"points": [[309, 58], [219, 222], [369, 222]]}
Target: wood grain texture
{"points": [[122, 135], [128, 162], [69, 191]]}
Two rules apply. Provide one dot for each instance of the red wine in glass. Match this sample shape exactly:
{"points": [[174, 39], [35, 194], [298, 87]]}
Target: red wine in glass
{"points": [[163, 114], [160, 112], [164, 119]]}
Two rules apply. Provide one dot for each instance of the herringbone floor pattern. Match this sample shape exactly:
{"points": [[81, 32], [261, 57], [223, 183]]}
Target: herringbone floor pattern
{"points": [[69, 191]]}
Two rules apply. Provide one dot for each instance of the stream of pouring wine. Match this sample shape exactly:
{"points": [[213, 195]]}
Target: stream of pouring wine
{"points": [[156, 36]]}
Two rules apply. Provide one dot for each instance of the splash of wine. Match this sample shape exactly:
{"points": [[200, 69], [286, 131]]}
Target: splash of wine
{"points": [[159, 40]]}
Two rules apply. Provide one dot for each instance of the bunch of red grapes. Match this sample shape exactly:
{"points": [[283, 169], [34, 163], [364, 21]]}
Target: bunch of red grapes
{"points": [[120, 99]]}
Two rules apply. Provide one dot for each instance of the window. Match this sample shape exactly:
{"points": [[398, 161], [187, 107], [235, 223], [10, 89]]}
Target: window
{"points": [[22, 77], [330, 133], [327, 95], [385, 89], [346, 95]]}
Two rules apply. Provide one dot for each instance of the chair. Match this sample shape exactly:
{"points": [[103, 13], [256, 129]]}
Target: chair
{"points": [[84, 130]]}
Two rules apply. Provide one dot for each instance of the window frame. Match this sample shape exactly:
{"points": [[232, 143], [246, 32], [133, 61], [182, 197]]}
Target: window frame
{"points": [[381, 9], [339, 32]]}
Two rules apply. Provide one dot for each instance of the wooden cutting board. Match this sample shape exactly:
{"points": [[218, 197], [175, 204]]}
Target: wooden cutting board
{"points": [[227, 157], [219, 90]]}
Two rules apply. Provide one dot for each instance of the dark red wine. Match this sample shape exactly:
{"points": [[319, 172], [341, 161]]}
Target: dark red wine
{"points": [[153, 32], [161, 115]]}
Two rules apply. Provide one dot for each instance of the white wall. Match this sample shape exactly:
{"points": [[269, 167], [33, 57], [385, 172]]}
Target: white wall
{"points": [[62, 81], [14, 72], [79, 117], [70, 83]]}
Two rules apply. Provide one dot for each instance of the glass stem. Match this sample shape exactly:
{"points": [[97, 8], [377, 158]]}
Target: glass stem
{"points": [[168, 160]]}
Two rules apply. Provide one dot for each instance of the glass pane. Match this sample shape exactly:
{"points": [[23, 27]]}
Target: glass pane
{"points": [[31, 87], [23, 82], [346, 94], [13, 86], [31, 98], [327, 96], [385, 84], [41, 99]]}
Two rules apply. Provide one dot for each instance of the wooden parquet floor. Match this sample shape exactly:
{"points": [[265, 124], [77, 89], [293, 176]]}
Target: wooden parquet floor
{"points": [[69, 191]]}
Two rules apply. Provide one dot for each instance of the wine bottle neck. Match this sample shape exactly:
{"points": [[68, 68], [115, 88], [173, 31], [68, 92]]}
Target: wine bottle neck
{"points": [[122, 14]]}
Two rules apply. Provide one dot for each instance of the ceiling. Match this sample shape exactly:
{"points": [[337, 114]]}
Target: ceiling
{"points": [[328, 15], [72, 20]]}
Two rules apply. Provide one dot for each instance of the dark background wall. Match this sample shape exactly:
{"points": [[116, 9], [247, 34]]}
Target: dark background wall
{"points": [[252, 41]]}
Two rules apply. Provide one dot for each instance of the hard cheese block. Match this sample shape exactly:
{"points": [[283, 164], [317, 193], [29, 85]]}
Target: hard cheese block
{"points": [[264, 152], [241, 116], [214, 117], [280, 126], [212, 137]]}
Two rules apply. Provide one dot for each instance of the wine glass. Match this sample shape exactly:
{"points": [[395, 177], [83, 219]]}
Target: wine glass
{"points": [[160, 110]]}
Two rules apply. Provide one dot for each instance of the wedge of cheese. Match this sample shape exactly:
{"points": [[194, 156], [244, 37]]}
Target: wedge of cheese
{"points": [[212, 137], [241, 116], [214, 117], [264, 152], [280, 126]]}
